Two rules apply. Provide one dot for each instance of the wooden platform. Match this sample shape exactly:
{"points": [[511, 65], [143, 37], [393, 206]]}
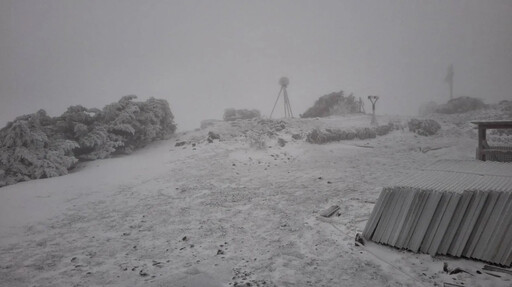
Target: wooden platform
{"points": [[458, 208], [495, 153]]}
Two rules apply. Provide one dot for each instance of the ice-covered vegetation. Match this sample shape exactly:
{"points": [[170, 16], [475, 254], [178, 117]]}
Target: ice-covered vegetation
{"points": [[453, 106], [461, 105], [39, 146], [333, 104], [426, 127], [318, 136]]}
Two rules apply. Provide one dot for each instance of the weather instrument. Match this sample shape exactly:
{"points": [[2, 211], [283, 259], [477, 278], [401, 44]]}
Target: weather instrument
{"points": [[373, 100], [284, 81]]}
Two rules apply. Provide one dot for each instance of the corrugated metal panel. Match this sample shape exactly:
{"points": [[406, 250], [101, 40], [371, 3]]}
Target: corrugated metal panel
{"points": [[460, 208]]}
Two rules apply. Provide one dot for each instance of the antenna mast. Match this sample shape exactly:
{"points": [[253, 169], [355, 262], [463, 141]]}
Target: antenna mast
{"points": [[449, 79]]}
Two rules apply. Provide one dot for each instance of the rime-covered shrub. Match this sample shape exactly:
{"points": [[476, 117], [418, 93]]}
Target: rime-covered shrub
{"points": [[257, 139], [243, 114], [84, 126], [505, 106], [383, 130], [97, 143], [318, 136], [460, 105], [136, 124], [397, 125], [38, 146], [3, 180], [424, 127], [315, 136], [27, 151], [332, 104], [366, 133]]}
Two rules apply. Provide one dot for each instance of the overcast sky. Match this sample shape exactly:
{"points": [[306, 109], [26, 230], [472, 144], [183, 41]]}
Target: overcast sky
{"points": [[205, 56]]}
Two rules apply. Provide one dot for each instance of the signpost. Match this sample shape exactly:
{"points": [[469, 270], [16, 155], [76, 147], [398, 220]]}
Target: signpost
{"points": [[373, 100]]}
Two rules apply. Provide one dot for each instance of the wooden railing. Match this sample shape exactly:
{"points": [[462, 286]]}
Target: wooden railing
{"points": [[494, 153]]}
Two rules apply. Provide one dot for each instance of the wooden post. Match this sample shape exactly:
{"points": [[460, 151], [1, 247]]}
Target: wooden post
{"points": [[373, 100], [481, 139]]}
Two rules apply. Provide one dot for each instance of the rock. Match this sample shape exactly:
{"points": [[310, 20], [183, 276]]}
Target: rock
{"points": [[359, 239], [297, 136], [212, 136], [180, 143]]}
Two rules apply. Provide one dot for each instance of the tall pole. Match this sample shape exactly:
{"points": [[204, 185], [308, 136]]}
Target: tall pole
{"points": [[451, 89], [287, 105], [278, 95], [449, 79]]}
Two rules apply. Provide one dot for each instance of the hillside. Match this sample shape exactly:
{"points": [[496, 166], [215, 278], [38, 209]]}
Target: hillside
{"points": [[241, 210]]}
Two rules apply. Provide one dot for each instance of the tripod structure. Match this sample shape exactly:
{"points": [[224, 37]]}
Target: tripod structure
{"points": [[284, 81]]}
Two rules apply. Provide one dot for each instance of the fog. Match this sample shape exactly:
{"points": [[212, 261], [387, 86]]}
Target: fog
{"points": [[205, 56]]}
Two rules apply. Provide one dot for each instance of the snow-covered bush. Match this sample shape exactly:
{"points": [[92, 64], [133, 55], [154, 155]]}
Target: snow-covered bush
{"points": [[257, 139], [84, 126], [28, 152], [397, 125], [317, 136], [506, 106], [424, 127], [366, 133], [136, 124], [38, 146], [332, 104], [384, 129], [460, 105], [243, 114]]}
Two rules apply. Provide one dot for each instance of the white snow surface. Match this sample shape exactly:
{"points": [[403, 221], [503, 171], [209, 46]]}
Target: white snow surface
{"points": [[228, 214]]}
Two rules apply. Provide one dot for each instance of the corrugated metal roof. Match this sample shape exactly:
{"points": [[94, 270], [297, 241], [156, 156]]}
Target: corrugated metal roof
{"points": [[460, 208], [460, 175], [472, 167]]}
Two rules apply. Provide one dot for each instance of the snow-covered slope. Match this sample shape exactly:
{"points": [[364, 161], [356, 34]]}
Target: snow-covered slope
{"points": [[226, 213]]}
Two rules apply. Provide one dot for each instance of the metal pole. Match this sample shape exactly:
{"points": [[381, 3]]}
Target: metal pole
{"points": [[278, 95], [287, 104]]}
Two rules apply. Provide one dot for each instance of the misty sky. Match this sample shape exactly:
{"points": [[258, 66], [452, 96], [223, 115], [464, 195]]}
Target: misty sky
{"points": [[205, 56]]}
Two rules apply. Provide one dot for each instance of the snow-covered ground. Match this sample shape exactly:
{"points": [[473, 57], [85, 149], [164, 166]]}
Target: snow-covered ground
{"points": [[228, 214]]}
